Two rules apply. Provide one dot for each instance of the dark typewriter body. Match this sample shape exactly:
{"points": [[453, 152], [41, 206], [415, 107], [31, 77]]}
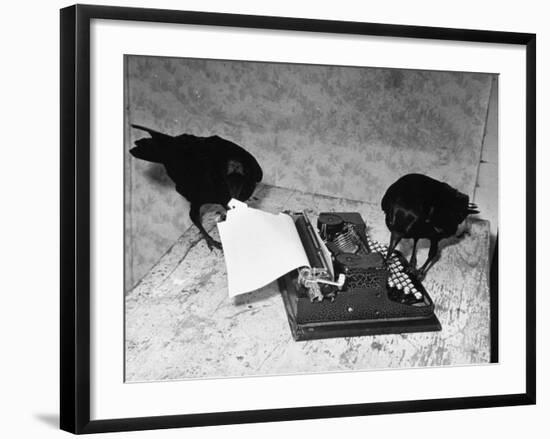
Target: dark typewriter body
{"points": [[356, 292]]}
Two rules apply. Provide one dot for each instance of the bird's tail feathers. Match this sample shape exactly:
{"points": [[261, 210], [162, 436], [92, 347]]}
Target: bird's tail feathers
{"points": [[154, 134], [472, 209], [150, 149]]}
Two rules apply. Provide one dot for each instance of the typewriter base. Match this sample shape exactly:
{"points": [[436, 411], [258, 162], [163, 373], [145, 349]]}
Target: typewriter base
{"points": [[318, 331], [352, 328]]}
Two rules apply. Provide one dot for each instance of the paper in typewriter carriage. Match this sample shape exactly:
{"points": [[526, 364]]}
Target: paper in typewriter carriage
{"points": [[259, 247]]}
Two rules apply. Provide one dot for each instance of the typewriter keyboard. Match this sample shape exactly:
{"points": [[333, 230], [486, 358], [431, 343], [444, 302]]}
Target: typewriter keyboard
{"points": [[401, 287]]}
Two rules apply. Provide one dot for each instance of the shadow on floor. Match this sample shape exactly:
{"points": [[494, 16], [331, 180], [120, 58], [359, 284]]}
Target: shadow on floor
{"points": [[49, 419]]}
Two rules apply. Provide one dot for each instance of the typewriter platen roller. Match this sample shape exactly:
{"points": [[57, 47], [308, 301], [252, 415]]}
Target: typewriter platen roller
{"points": [[348, 289]]}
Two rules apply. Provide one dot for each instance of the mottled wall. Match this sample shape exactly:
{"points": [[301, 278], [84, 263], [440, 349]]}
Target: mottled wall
{"points": [[339, 131]]}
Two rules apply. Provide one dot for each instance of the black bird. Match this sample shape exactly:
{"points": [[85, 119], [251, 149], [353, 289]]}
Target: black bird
{"points": [[416, 207], [205, 169]]}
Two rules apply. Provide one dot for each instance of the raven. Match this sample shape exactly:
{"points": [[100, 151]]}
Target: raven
{"points": [[205, 170], [416, 207]]}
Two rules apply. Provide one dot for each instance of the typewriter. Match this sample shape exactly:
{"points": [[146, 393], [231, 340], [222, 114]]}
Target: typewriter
{"points": [[348, 289]]}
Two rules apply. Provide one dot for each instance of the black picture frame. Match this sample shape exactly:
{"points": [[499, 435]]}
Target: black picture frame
{"points": [[75, 218]]}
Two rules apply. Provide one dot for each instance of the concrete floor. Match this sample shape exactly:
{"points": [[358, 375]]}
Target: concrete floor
{"points": [[181, 324]]}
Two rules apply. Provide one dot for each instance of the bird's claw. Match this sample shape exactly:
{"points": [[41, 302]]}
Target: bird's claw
{"points": [[212, 244], [413, 271], [420, 274]]}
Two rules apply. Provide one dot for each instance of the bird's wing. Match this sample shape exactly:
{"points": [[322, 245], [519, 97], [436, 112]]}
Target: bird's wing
{"points": [[449, 211], [231, 151], [201, 168], [388, 199]]}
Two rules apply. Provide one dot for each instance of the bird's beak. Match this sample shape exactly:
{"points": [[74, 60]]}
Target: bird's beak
{"points": [[394, 240]]}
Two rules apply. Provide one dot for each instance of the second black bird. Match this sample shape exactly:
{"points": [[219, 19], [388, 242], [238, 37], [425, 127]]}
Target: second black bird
{"points": [[205, 170], [417, 207]]}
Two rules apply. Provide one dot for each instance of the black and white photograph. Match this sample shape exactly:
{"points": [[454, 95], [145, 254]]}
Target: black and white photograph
{"points": [[285, 218], [275, 219]]}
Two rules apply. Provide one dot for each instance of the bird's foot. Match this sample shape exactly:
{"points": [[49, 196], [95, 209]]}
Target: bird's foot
{"points": [[420, 275], [414, 272], [212, 244]]}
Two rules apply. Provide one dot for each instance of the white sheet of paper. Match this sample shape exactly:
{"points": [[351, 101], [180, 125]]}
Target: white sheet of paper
{"points": [[259, 247]]}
